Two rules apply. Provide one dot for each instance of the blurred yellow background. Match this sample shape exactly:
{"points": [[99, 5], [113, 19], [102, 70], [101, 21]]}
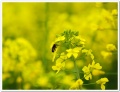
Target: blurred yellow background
{"points": [[30, 28]]}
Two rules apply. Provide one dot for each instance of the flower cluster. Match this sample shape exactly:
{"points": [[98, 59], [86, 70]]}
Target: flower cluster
{"points": [[88, 70], [19, 62], [94, 68], [71, 47], [66, 48], [102, 81]]}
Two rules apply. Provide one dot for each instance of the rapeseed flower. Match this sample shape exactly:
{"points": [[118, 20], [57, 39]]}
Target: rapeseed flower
{"points": [[73, 52], [96, 66], [102, 81], [59, 65], [77, 85], [97, 72], [88, 53], [88, 70], [111, 47], [61, 38], [63, 56], [106, 54]]}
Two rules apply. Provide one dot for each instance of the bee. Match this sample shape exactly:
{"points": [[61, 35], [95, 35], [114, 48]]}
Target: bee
{"points": [[54, 47]]}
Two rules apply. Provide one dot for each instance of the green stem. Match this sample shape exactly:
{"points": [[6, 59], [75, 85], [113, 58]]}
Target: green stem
{"points": [[89, 84], [111, 73], [46, 33], [76, 69], [79, 72]]}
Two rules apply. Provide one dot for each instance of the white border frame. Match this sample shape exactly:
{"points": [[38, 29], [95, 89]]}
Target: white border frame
{"points": [[54, 1], [0, 45], [118, 45], [59, 0]]}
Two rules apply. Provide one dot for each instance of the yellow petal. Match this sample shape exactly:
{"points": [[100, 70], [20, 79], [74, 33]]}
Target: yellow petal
{"points": [[92, 56], [88, 76], [104, 79], [69, 55], [93, 63], [85, 69], [84, 51], [97, 66], [79, 82], [77, 49], [111, 47], [98, 81], [57, 71], [102, 87], [96, 72], [75, 55], [69, 50], [63, 56], [61, 38], [59, 60], [54, 68]]}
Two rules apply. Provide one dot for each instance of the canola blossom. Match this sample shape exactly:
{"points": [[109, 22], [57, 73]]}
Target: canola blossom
{"points": [[77, 85], [87, 70], [59, 65], [61, 38], [73, 52], [93, 69], [88, 53], [110, 47], [63, 56], [102, 82]]}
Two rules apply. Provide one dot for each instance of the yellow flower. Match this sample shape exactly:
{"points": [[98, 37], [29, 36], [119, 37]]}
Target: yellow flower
{"points": [[97, 72], [96, 66], [88, 53], [87, 73], [59, 65], [111, 47], [77, 85], [73, 52], [61, 38], [106, 54], [102, 81], [63, 56], [80, 38], [88, 70], [82, 41]]}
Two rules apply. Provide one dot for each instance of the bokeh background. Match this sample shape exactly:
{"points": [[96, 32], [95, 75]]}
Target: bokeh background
{"points": [[30, 28]]}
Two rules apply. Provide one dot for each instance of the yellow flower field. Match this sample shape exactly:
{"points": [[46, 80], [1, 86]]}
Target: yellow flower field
{"points": [[60, 46]]}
